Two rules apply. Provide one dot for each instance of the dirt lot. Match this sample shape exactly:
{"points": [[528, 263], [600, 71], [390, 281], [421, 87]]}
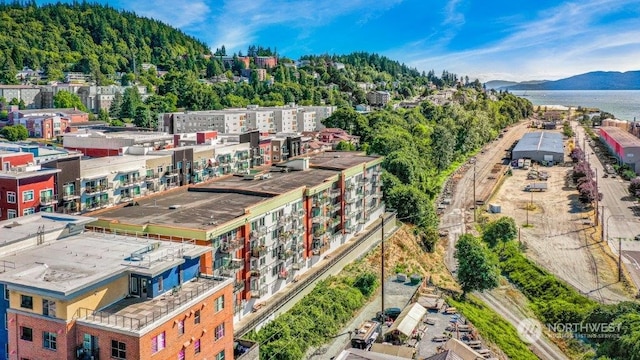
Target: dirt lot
{"points": [[560, 236]]}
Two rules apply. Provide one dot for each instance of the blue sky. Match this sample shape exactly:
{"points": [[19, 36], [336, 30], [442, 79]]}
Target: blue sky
{"points": [[485, 39]]}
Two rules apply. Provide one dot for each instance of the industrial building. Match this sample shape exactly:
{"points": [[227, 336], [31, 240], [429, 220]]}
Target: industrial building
{"points": [[623, 145], [543, 147]]}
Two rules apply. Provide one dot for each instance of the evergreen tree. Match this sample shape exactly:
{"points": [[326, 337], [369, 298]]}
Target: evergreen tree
{"points": [[116, 104], [130, 101]]}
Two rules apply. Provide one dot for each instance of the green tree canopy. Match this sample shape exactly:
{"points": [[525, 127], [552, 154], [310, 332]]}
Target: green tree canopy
{"points": [[477, 268], [65, 100], [502, 230], [14, 132]]}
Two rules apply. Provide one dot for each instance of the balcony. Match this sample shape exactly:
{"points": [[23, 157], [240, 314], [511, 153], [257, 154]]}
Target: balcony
{"points": [[238, 286], [284, 255], [129, 182], [228, 246], [258, 251], [283, 274], [334, 193], [255, 273], [69, 194], [95, 189], [258, 293], [317, 251], [321, 219], [48, 200], [298, 263], [136, 314], [87, 354], [243, 155]]}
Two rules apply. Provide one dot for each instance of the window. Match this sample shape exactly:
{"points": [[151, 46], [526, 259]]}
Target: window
{"points": [[220, 355], [48, 308], [219, 302], [196, 346], [27, 195], [6, 293], [196, 317], [181, 354], [219, 333], [118, 349], [158, 343], [49, 340], [26, 302], [28, 211], [26, 333], [180, 327], [11, 214], [11, 197], [160, 284]]}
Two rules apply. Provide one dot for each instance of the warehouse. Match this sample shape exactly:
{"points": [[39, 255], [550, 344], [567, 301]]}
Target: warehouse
{"points": [[623, 145], [543, 147]]}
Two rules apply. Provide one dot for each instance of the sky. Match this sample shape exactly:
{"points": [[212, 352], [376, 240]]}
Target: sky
{"points": [[485, 39]]}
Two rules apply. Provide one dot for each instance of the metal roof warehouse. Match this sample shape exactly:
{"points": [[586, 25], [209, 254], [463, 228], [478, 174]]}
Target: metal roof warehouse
{"points": [[540, 146]]}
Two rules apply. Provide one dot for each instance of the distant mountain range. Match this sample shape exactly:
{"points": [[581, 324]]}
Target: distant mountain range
{"points": [[597, 80]]}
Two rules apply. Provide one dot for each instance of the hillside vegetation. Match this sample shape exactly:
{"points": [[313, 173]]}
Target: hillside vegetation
{"points": [[89, 38]]}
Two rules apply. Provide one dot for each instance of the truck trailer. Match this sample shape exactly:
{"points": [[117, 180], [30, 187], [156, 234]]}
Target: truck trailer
{"points": [[536, 187]]}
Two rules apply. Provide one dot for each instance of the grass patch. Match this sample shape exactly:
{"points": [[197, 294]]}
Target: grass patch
{"points": [[494, 328]]}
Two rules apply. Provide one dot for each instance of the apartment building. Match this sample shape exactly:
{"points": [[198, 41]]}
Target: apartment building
{"points": [[45, 127], [27, 189], [29, 94], [75, 294], [263, 119], [71, 114], [99, 144], [265, 227], [378, 98]]}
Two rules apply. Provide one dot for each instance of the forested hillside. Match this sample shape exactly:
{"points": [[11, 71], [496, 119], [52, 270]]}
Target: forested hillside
{"points": [[88, 38]]}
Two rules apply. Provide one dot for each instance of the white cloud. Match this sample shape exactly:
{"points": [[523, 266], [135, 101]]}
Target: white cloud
{"points": [[562, 41], [175, 13], [241, 20]]}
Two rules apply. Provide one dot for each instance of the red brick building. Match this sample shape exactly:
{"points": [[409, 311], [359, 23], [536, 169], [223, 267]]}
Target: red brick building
{"points": [[45, 127], [27, 191]]}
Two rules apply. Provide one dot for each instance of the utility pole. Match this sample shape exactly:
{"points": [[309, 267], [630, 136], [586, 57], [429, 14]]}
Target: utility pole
{"points": [[474, 190], [619, 259], [382, 264], [597, 195]]}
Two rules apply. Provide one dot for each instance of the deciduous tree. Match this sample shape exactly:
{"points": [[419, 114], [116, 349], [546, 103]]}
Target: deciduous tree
{"points": [[477, 268]]}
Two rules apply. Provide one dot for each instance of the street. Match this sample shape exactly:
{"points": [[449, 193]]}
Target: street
{"points": [[619, 209]]}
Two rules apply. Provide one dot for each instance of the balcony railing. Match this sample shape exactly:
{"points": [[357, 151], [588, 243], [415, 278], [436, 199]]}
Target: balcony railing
{"points": [[160, 311], [231, 245], [47, 200], [68, 194], [238, 286], [258, 251], [95, 189], [283, 255], [257, 293]]}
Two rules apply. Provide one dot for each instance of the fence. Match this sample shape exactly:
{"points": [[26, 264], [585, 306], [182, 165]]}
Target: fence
{"points": [[174, 300], [270, 309]]}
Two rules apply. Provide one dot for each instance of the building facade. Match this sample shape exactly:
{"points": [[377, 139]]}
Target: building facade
{"points": [[26, 190], [268, 226], [149, 299]]}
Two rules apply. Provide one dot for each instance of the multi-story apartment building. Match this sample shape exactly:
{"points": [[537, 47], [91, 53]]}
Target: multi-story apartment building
{"points": [[265, 62], [27, 189], [263, 119], [29, 94], [98, 144], [265, 227], [378, 98], [72, 115], [45, 127], [306, 120], [86, 295]]}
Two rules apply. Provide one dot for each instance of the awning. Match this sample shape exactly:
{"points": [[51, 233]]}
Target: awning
{"points": [[408, 320]]}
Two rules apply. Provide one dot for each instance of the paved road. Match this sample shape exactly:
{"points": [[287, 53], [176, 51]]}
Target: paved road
{"points": [[458, 217], [619, 215]]}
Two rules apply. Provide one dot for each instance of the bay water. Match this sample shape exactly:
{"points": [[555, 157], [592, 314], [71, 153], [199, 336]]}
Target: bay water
{"points": [[623, 104]]}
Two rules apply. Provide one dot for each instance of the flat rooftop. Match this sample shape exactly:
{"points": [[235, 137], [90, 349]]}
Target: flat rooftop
{"points": [[24, 227], [621, 136], [136, 314], [339, 160], [28, 174], [541, 141], [185, 209], [79, 262], [103, 162], [277, 183]]}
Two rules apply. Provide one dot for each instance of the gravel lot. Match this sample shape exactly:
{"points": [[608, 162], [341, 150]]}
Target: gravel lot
{"points": [[559, 232]]}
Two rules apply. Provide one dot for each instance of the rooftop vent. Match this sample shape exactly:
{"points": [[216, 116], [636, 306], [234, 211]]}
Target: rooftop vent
{"points": [[12, 225], [174, 207]]}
